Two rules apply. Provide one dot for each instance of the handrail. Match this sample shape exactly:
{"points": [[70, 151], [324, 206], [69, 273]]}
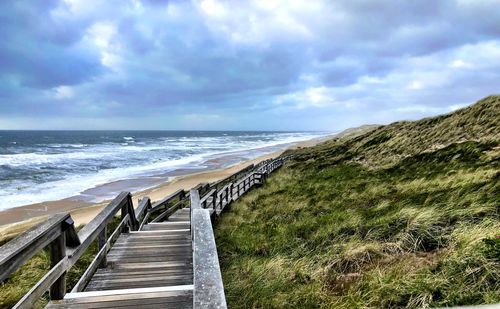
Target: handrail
{"points": [[17, 251], [59, 232], [232, 176], [168, 211], [167, 199], [208, 289], [144, 206], [207, 196]]}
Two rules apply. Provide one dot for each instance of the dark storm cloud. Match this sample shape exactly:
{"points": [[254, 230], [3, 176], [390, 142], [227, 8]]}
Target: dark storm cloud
{"points": [[292, 65]]}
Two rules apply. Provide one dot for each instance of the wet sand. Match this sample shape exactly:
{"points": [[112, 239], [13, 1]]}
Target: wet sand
{"points": [[15, 220]]}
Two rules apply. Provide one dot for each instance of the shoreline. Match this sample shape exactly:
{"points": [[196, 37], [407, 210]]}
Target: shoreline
{"points": [[18, 219]]}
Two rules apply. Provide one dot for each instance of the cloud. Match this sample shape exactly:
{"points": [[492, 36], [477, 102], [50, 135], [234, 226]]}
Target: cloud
{"points": [[292, 65]]}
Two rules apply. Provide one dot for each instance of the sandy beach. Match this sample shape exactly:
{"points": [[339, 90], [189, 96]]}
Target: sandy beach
{"points": [[18, 219]]}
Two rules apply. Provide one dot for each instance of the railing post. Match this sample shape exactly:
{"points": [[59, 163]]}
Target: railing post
{"points": [[214, 199], [182, 194], [102, 243], [194, 197], [123, 213], [57, 253]]}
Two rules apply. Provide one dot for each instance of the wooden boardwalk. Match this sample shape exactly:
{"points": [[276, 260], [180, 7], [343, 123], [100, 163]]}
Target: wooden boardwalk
{"points": [[159, 255]]}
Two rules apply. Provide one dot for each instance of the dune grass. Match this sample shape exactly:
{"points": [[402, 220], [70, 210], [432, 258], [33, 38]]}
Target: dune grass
{"points": [[346, 226]]}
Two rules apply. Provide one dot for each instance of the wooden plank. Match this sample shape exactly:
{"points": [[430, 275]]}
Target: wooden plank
{"points": [[160, 232], [152, 247], [180, 288], [171, 239], [151, 253], [98, 286], [149, 303], [131, 273], [140, 265], [144, 206], [176, 305], [148, 266], [176, 296], [195, 199], [145, 220], [109, 280], [184, 301], [149, 259]]}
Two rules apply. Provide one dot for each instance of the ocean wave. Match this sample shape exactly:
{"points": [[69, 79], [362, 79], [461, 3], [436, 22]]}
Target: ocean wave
{"points": [[43, 175]]}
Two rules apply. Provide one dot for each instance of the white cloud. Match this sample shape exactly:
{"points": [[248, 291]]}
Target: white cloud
{"points": [[415, 85], [63, 92], [460, 64]]}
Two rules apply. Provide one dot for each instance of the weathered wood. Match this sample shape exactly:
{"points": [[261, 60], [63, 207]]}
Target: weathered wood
{"points": [[134, 223], [144, 206], [233, 176], [168, 212], [57, 253], [214, 198], [68, 226], [145, 220], [179, 296], [17, 251], [195, 199], [90, 231], [97, 261], [208, 287], [102, 239], [156, 205], [203, 200], [188, 287]]}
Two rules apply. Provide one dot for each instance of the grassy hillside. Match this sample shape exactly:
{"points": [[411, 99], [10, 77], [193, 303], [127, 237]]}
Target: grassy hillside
{"points": [[406, 215]]}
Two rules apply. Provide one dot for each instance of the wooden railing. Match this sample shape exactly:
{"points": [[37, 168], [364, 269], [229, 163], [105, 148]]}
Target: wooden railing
{"points": [[208, 286], [67, 246]]}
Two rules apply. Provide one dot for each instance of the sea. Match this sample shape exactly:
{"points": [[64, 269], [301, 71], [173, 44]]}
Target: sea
{"points": [[92, 166]]}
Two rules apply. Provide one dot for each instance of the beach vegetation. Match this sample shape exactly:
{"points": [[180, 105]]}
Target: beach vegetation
{"points": [[404, 216]]}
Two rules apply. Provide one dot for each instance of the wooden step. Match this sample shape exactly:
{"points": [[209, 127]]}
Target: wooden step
{"points": [[180, 296], [128, 283], [166, 226]]}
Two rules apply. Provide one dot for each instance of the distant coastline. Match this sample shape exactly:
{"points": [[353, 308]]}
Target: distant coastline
{"points": [[15, 220]]}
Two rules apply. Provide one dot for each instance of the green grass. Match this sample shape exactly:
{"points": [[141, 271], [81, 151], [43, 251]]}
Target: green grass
{"points": [[363, 222]]}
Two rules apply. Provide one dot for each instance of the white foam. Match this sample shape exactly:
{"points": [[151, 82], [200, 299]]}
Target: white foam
{"points": [[19, 193]]}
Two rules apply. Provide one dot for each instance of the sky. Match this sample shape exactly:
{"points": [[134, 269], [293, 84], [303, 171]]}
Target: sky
{"points": [[242, 65]]}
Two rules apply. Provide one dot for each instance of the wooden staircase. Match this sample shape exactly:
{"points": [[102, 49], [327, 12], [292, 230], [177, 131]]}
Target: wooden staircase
{"points": [[152, 267], [160, 255]]}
